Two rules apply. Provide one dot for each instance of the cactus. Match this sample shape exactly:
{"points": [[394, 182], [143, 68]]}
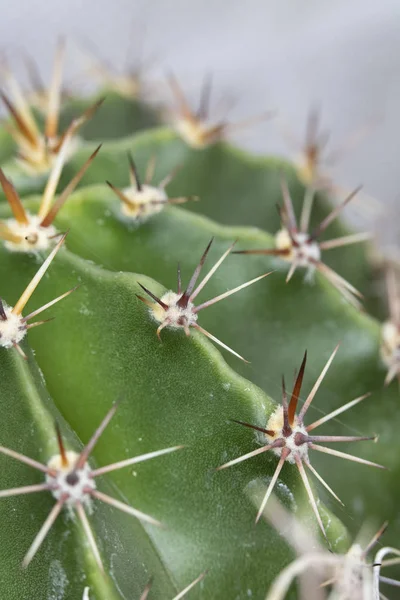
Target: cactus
{"points": [[128, 371]]}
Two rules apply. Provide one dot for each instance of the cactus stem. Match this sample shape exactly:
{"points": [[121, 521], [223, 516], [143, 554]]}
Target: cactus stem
{"points": [[71, 481], [289, 439]]}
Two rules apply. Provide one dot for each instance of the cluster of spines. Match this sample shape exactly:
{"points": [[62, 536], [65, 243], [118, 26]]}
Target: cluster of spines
{"points": [[179, 312]]}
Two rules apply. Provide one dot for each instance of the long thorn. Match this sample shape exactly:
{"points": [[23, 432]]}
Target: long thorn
{"points": [[84, 455], [341, 438], [146, 590], [13, 199], [25, 459], [333, 214], [184, 300], [183, 105], [28, 134], [44, 530], [306, 209], [54, 178], [284, 455], [133, 461], [321, 480], [375, 538], [51, 303], [124, 507], [211, 272], [26, 489], [348, 291], [67, 191], [235, 461], [345, 241], [310, 494], [190, 586], [217, 341], [393, 295], [89, 535], [314, 390], [333, 452], [123, 197], [337, 412], [229, 293]]}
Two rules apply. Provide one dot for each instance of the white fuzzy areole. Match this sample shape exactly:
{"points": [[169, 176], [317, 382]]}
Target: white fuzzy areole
{"points": [[350, 574], [13, 330], [305, 252], [390, 344], [175, 316], [275, 423], [34, 237], [194, 132], [145, 202], [75, 490], [39, 160]]}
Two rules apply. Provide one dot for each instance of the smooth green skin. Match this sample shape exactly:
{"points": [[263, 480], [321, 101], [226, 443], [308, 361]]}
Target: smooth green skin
{"points": [[269, 324], [102, 346]]}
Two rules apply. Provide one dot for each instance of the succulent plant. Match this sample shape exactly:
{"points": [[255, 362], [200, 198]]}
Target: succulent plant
{"points": [[101, 357]]}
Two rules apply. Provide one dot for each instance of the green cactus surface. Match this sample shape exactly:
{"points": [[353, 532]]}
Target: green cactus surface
{"points": [[183, 390]]}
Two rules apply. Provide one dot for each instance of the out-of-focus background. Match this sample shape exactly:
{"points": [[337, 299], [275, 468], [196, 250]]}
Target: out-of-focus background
{"points": [[283, 54]]}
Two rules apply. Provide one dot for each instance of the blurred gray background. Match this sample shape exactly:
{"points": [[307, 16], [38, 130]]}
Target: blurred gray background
{"points": [[284, 54]]}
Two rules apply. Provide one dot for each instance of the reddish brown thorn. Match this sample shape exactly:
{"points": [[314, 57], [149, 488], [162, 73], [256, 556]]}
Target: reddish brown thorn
{"points": [[266, 431], [286, 429], [162, 304], [204, 106], [268, 251], [134, 172], [184, 299], [3, 315], [333, 214], [61, 447], [22, 126], [13, 199], [296, 391]]}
